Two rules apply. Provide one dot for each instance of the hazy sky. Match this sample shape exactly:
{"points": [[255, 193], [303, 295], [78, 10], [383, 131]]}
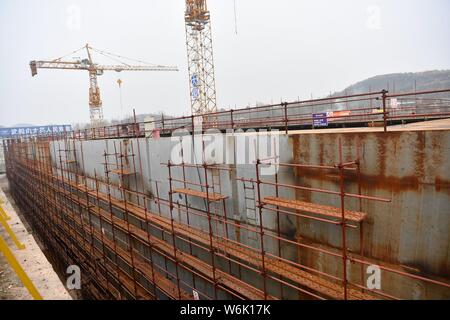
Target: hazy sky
{"points": [[283, 49]]}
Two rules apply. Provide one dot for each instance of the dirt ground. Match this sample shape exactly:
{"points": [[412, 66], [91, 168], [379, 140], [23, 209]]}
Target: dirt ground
{"points": [[32, 259]]}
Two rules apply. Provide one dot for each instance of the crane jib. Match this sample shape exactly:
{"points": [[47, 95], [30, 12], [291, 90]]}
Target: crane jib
{"points": [[95, 102]]}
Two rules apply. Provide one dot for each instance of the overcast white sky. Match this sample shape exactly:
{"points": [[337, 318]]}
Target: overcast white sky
{"points": [[283, 49]]}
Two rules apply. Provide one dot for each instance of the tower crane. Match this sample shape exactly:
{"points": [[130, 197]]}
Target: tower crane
{"points": [[200, 57], [87, 64]]}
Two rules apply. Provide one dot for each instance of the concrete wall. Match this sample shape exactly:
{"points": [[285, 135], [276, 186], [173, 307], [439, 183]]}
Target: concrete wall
{"points": [[412, 168]]}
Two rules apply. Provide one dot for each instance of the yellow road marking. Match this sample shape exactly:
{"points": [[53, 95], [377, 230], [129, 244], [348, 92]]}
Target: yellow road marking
{"points": [[2, 212], [11, 234], [19, 270]]}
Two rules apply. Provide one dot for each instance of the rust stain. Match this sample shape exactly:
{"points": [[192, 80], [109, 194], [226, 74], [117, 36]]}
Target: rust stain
{"points": [[321, 152], [381, 155], [381, 180], [419, 157], [442, 185], [437, 157]]}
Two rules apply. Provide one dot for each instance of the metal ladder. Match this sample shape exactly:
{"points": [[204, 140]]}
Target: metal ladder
{"points": [[250, 207], [217, 206]]}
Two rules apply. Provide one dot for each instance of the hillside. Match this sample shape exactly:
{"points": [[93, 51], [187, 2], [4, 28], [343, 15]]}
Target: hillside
{"points": [[401, 82]]}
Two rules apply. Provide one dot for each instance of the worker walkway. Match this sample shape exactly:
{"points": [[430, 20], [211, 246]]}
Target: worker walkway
{"points": [[32, 260]]}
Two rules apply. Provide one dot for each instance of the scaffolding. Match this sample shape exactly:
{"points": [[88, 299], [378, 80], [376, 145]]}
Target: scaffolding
{"points": [[369, 109], [182, 241], [182, 238]]}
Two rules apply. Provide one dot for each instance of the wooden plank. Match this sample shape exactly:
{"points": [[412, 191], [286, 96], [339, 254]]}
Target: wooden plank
{"points": [[123, 172], [328, 211], [211, 196]]}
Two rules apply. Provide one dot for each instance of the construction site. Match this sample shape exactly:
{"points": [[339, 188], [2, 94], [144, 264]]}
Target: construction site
{"points": [[345, 197]]}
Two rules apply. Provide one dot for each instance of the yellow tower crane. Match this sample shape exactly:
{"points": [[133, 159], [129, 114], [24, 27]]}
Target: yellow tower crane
{"points": [[200, 57], [95, 102]]}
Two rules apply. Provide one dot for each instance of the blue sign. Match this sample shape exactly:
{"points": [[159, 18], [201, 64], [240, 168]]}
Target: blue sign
{"points": [[320, 120], [194, 80], [195, 93], [34, 131]]}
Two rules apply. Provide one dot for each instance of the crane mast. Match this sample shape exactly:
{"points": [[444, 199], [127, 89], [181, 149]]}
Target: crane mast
{"points": [[95, 102], [200, 57]]}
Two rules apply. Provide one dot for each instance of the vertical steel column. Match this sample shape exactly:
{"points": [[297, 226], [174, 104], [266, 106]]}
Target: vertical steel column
{"points": [[147, 219], [126, 215], [343, 221], [65, 205], [51, 191], [100, 219], [277, 194], [261, 229], [186, 200], [361, 224], [134, 171], [169, 165], [384, 94], [232, 118], [102, 231], [226, 231], [91, 227], [160, 214], [76, 173], [285, 117], [208, 212]]}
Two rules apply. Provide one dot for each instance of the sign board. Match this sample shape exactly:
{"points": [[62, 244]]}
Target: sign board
{"points": [[320, 120], [338, 115], [195, 93], [34, 131], [194, 80]]}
